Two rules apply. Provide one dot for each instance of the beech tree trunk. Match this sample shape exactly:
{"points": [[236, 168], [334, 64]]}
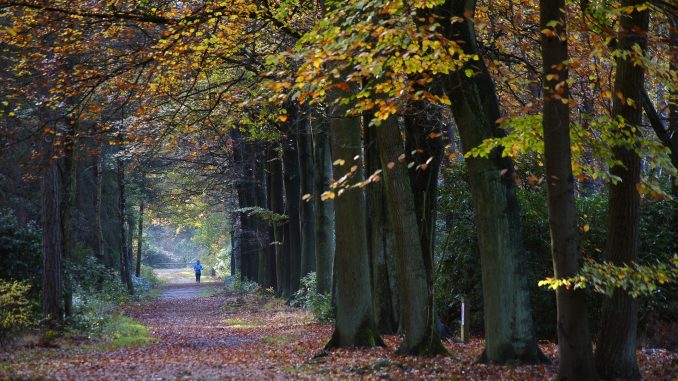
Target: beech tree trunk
{"points": [[380, 244], [125, 273], [509, 330], [265, 265], [574, 341], [292, 195], [306, 179], [52, 298], [324, 210], [673, 110], [354, 324], [140, 237], [68, 211], [416, 289], [99, 231], [270, 269], [282, 258], [616, 347]]}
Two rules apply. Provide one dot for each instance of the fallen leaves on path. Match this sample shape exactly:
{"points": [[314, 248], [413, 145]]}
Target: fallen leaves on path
{"points": [[256, 337]]}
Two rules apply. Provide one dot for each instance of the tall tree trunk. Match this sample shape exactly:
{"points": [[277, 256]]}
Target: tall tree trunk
{"points": [[306, 179], [271, 268], [140, 237], [574, 341], [68, 211], [673, 110], [282, 258], [616, 347], [125, 273], [52, 298], [324, 210], [380, 248], [263, 240], [424, 147], [292, 194], [235, 245], [99, 231], [509, 330], [416, 289], [246, 189], [354, 324]]}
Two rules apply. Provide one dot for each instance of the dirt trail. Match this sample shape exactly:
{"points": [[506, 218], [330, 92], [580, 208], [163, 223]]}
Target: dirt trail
{"points": [[256, 337], [195, 340]]}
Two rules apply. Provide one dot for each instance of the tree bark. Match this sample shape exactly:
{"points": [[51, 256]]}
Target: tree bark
{"points": [[616, 347], [380, 237], [292, 195], [574, 341], [673, 110], [99, 231], [282, 259], [354, 326], [509, 330], [68, 211], [324, 210], [306, 179], [140, 237], [264, 264], [125, 274], [52, 298], [416, 288]]}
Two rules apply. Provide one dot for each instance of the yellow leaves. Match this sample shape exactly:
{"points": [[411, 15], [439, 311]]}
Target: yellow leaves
{"points": [[586, 228], [339, 162], [283, 118], [307, 197], [12, 32]]}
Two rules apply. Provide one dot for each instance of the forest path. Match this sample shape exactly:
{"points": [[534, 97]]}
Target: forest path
{"points": [[200, 331], [205, 332]]}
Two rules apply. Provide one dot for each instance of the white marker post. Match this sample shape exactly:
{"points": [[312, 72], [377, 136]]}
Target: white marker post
{"points": [[464, 321]]}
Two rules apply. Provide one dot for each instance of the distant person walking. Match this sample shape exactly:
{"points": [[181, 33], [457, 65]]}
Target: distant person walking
{"points": [[198, 270]]}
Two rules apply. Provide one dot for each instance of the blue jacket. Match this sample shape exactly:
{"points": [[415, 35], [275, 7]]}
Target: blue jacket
{"points": [[197, 267]]}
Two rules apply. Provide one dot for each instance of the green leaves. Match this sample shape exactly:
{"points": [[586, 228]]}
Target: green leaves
{"points": [[604, 278]]}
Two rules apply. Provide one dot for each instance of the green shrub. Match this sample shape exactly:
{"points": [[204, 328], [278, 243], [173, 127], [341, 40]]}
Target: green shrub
{"points": [[124, 332], [241, 285], [309, 298], [17, 312], [458, 263], [20, 252]]}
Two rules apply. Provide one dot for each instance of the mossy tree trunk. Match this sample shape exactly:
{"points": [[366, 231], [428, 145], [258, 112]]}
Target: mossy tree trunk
{"points": [[509, 329], [416, 290], [354, 324]]}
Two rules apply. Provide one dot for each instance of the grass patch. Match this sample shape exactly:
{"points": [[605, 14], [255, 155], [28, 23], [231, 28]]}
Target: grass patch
{"points": [[211, 291], [125, 332], [151, 295], [275, 340], [242, 324]]}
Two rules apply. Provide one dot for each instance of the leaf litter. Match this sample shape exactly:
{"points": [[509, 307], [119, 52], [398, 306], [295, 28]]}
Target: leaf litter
{"points": [[227, 335]]}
